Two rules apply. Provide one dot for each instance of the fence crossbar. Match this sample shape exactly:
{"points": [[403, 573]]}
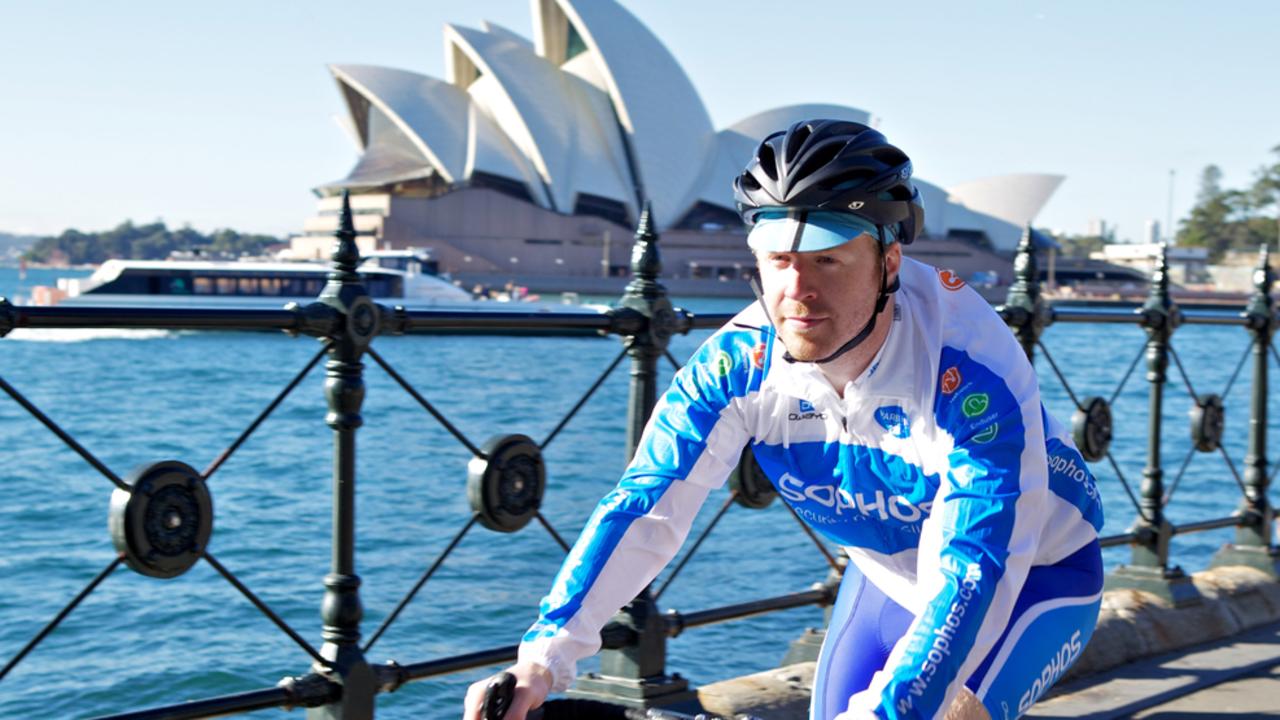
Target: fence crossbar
{"points": [[62, 615], [1067, 386], [421, 581], [262, 416], [586, 396], [62, 435], [1124, 483], [425, 405], [1178, 478], [264, 609], [552, 531], [1127, 373], [1186, 379], [1239, 366]]}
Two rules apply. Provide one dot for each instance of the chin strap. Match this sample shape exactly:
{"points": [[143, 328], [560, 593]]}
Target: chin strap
{"points": [[881, 300]]}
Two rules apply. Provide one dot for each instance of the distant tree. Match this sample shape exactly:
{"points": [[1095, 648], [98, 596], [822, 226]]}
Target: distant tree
{"points": [[1080, 246], [153, 241], [1223, 220]]}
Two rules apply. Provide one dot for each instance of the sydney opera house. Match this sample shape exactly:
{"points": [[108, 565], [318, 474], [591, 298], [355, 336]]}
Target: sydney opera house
{"points": [[530, 161]]}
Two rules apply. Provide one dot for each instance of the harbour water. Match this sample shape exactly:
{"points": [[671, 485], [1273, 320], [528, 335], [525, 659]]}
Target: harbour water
{"points": [[137, 397]]}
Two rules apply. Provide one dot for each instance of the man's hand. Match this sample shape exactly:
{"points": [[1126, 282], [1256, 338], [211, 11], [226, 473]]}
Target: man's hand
{"points": [[533, 683]]}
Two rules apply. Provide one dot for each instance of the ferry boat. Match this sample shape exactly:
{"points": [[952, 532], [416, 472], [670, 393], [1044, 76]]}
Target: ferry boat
{"points": [[401, 277]]}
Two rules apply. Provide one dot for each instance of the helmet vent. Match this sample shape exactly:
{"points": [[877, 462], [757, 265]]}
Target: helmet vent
{"points": [[768, 162], [795, 140]]}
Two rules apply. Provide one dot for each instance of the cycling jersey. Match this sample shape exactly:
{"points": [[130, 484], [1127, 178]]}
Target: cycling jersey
{"points": [[938, 472]]}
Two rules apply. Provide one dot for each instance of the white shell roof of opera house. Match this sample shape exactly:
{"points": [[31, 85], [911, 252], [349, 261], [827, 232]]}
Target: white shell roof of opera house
{"points": [[596, 105]]}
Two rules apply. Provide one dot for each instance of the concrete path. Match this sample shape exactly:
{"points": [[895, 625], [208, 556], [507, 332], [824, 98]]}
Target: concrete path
{"points": [[1236, 678]]}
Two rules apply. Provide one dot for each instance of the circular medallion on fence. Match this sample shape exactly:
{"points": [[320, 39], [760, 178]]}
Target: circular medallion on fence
{"points": [[1208, 420], [749, 481], [163, 523], [505, 490], [1091, 428]]}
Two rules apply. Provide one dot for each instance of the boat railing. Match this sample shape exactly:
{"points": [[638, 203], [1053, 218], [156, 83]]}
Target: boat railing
{"points": [[161, 515]]}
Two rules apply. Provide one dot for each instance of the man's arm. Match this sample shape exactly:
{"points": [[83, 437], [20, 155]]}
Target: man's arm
{"points": [[979, 541], [691, 443]]}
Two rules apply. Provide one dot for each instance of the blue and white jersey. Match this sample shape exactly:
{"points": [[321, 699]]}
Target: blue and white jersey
{"points": [[938, 472]]}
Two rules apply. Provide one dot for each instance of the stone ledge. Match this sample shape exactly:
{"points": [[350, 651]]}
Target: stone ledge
{"points": [[1133, 625]]}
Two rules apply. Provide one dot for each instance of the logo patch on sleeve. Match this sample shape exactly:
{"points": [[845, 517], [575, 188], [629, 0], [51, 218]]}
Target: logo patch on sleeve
{"points": [[975, 404], [723, 363], [951, 380], [987, 434], [950, 280]]}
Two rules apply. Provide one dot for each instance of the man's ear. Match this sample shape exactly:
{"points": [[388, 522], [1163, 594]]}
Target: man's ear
{"points": [[893, 260]]}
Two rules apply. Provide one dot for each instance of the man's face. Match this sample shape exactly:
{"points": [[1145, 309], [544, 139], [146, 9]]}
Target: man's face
{"points": [[819, 300]]}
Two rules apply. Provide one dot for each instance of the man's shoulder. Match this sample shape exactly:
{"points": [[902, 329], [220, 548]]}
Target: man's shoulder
{"points": [[737, 354]]}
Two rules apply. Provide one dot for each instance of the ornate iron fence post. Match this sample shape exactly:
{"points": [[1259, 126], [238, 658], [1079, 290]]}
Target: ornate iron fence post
{"points": [[1253, 539], [341, 609], [1150, 570], [633, 667], [1024, 311]]}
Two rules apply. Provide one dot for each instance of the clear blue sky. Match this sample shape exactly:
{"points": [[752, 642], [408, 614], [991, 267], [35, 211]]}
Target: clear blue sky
{"points": [[222, 114]]}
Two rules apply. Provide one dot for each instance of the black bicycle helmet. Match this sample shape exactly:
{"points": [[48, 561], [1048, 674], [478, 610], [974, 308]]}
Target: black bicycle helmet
{"points": [[832, 165]]}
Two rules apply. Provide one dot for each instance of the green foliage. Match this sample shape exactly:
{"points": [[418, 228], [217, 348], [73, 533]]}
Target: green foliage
{"points": [[1079, 246], [153, 241], [1231, 219]]}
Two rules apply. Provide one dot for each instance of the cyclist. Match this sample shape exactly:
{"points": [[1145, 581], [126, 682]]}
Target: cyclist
{"points": [[895, 412]]}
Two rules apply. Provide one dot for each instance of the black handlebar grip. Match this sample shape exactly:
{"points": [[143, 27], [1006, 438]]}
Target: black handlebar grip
{"points": [[498, 696]]}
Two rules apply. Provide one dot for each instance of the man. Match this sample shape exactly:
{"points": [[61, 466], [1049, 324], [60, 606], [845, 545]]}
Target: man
{"points": [[897, 415]]}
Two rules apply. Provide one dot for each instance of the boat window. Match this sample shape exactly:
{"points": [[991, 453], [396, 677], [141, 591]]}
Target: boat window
{"points": [[202, 285], [179, 286], [248, 286], [226, 285], [269, 286]]}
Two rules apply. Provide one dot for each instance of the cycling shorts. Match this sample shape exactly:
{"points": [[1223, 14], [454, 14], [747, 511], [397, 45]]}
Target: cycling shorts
{"points": [[1052, 621]]}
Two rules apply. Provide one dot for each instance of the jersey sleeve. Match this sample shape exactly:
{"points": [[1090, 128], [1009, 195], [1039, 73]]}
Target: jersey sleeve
{"points": [[977, 546], [692, 441]]}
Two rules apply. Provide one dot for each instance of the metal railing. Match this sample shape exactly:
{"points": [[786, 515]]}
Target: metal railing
{"points": [[1028, 315], [161, 515]]}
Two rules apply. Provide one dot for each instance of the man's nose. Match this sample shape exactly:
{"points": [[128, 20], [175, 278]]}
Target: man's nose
{"points": [[798, 284]]}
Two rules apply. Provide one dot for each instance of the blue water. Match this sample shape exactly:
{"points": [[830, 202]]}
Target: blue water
{"points": [[137, 397]]}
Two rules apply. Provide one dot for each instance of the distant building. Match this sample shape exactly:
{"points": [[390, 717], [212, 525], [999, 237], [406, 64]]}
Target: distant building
{"points": [[1097, 228], [1151, 232], [532, 159], [1186, 264]]}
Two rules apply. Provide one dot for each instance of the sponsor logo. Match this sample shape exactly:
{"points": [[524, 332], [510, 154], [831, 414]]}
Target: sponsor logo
{"points": [[1058, 664], [856, 205], [1067, 466], [894, 419], [939, 638], [723, 363], [807, 412], [975, 404], [757, 356], [987, 434], [839, 501], [950, 280], [950, 380]]}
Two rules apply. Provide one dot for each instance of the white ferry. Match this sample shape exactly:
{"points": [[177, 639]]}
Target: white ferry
{"points": [[399, 277]]}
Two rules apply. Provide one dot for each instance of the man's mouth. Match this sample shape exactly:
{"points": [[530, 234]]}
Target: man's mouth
{"points": [[804, 322]]}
